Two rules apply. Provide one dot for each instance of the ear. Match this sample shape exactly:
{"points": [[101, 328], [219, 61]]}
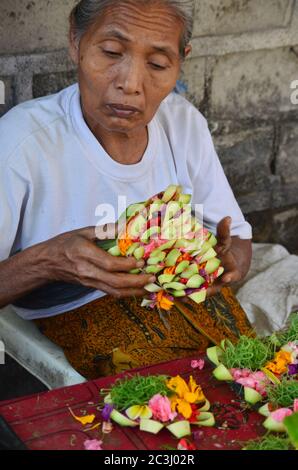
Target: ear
{"points": [[73, 47], [187, 50]]}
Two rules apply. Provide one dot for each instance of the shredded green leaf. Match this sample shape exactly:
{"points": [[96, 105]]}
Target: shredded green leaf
{"points": [[269, 442], [138, 390], [251, 353], [291, 333], [283, 394]]}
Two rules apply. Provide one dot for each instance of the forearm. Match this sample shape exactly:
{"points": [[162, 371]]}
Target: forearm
{"points": [[23, 273], [242, 250]]}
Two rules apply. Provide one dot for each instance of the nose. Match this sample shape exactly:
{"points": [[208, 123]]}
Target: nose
{"points": [[130, 77]]}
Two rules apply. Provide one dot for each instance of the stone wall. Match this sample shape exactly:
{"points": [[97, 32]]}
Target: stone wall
{"points": [[244, 60]]}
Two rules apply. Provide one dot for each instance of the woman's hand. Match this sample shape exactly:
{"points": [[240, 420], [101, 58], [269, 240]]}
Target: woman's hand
{"points": [[235, 255], [74, 257]]}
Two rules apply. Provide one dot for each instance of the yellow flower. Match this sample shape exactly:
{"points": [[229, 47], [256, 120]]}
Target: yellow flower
{"points": [[139, 411], [279, 365], [185, 395]]}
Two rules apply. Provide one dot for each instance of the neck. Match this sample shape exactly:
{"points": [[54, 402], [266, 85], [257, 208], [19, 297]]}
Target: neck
{"points": [[125, 148]]}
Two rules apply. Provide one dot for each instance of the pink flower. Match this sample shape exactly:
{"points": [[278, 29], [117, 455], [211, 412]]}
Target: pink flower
{"points": [[189, 236], [93, 444], [161, 408], [198, 364], [246, 382], [154, 243], [261, 388], [246, 372], [280, 414], [259, 376], [246, 378], [149, 248], [238, 373]]}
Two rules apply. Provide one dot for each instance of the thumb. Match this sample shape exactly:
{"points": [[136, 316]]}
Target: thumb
{"points": [[87, 232], [100, 232], [106, 232], [223, 230]]}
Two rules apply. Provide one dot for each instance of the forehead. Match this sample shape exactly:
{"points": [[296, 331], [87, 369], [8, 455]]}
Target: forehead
{"points": [[152, 21]]}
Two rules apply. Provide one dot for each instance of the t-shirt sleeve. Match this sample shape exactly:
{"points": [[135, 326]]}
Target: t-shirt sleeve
{"points": [[13, 191], [210, 185]]}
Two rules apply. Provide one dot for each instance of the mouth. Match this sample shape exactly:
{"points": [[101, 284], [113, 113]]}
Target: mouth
{"points": [[122, 110]]}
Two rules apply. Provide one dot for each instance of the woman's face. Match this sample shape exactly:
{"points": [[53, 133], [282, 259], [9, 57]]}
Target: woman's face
{"points": [[128, 63]]}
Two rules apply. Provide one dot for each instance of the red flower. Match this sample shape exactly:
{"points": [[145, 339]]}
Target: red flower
{"points": [[195, 413], [184, 444]]}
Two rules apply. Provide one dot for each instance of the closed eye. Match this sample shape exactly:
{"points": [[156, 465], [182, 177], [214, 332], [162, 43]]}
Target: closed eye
{"points": [[112, 53], [157, 66]]}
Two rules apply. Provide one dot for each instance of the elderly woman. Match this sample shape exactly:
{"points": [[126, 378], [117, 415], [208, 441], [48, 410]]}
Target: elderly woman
{"points": [[120, 131]]}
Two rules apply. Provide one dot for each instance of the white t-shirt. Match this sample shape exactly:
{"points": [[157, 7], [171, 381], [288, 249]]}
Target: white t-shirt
{"points": [[54, 173]]}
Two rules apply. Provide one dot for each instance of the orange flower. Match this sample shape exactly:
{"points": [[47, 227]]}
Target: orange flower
{"points": [[124, 243], [163, 302], [170, 270], [202, 265], [184, 257], [279, 365]]}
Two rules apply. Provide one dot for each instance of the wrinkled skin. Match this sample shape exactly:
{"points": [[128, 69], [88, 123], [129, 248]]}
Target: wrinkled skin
{"points": [[131, 57]]}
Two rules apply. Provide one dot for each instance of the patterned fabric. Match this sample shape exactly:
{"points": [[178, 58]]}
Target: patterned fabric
{"points": [[108, 336]]}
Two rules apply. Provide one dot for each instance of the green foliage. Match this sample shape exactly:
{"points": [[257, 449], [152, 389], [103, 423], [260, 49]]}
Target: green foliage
{"points": [[138, 390], [283, 394], [251, 353], [291, 424], [269, 442], [291, 333]]}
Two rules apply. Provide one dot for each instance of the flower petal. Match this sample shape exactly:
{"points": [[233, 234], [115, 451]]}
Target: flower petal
{"points": [[88, 419], [146, 412], [280, 414], [184, 409], [134, 412], [93, 444]]}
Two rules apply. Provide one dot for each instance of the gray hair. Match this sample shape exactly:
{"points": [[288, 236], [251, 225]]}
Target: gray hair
{"points": [[85, 13]]}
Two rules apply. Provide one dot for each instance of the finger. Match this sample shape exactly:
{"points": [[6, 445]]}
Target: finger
{"points": [[124, 293], [127, 281], [225, 280], [118, 264], [89, 272], [87, 232], [100, 258], [119, 293], [106, 232], [215, 288], [223, 234], [231, 271], [101, 232], [231, 276]]}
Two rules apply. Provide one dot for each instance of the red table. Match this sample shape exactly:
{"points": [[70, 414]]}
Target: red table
{"points": [[43, 421]]}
